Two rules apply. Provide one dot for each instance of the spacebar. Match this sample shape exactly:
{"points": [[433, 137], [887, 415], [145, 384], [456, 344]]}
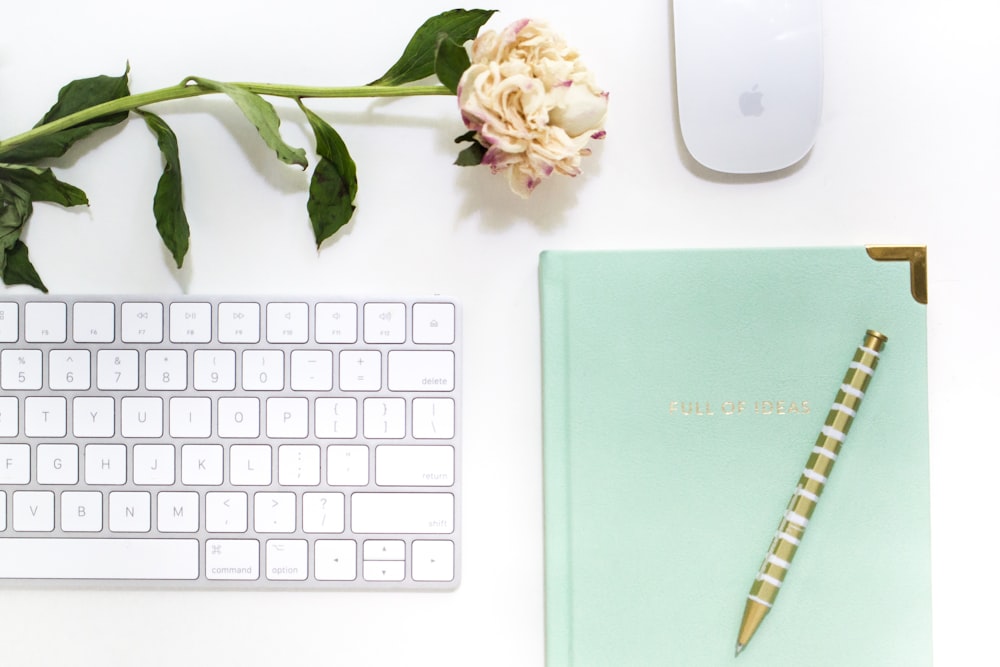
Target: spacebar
{"points": [[88, 558]]}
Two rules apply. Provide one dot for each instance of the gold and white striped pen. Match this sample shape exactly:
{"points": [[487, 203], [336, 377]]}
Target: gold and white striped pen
{"points": [[800, 508]]}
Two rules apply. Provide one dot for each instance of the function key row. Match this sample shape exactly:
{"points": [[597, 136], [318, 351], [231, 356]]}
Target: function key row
{"points": [[227, 322]]}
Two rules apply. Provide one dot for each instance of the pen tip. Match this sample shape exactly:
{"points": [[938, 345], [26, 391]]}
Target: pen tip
{"points": [[739, 648]]}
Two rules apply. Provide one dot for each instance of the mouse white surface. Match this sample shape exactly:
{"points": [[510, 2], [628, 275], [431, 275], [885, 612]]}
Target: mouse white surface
{"points": [[749, 81]]}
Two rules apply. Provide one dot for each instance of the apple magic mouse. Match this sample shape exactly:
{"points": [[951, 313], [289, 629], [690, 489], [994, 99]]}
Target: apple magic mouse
{"points": [[749, 81]]}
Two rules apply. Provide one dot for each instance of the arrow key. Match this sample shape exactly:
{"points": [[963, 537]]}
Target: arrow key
{"points": [[336, 560]]}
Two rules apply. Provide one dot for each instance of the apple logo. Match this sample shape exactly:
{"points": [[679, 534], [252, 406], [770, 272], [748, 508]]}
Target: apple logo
{"points": [[750, 102]]}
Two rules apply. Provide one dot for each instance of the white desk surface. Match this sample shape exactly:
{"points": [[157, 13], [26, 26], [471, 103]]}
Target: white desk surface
{"points": [[907, 153]]}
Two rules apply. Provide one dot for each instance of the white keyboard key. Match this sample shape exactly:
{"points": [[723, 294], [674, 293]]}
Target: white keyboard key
{"points": [[287, 322], [9, 418], [129, 512], [433, 560], [414, 465], [232, 559], [142, 417], [8, 323], [118, 370], [177, 511], [226, 512], [360, 370], [45, 417], [385, 418], [336, 560], [347, 465], [104, 464], [250, 465], [201, 465], [336, 323], [384, 550], [384, 570], [15, 464], [385, 323], [286, 560], [239, 322], [263, 370], [298, 465], [142, 323], [239, 417], [190, 417], [336, 418], [166, 370], [3, 511], [93, 322], [21, 370], [433, 418], [153, 465], [312, 370], [421, 370], [433, 323], [69, 369], [190, 322], [99, 558], [58, 464], [274, 512], [34, 511], [45, 322], [94, 416], [81, 511], [215, 370], [402, 512], [323, 512], [287, 417]]}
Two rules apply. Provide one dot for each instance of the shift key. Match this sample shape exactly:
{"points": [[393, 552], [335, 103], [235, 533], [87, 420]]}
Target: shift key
{"points": [[402, 513]]}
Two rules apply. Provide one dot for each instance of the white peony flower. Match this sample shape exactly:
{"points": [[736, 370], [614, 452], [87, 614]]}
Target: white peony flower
{"points": [[531, 102]]}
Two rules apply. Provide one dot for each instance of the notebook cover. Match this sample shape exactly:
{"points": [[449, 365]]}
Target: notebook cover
{"points": [[683, 393]]}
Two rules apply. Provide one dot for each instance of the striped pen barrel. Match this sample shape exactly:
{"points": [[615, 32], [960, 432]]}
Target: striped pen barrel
{"points": [[800, 508]]}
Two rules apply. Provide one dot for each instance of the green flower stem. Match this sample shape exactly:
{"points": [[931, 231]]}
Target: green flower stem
{"points": [[187, 89]]}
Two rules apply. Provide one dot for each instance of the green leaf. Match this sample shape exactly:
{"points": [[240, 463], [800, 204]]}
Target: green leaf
{"points": [[263, 116], [74, 96], [417, 61], [42, 185], [451, 62], [471, 156], [15, 209], [18, 270], [334, 183], [168, 202]]}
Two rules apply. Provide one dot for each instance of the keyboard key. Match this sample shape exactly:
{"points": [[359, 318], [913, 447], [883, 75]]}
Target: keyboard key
{"points": [[190, 417], [9, 418], [142, 323], [336, 560], [434, 418], [8, 323], [104, 464], [190, 322], [153, 465], [166, 370], [421, 370], [239, 322], [34, 511], [45, 322], [58, 464], [250, 465], [142, 417], [263, 370], [239, 417], [402, 512], [21, 370], [414, 465], [226, 512], [360, 370], [287, 417], [118, 370], [286, 560], [69, 369], [385, 418], [15, 466], [433, 323], [177, 511], [45, 417], [98, 558], [129, 511], [232, 559], [312, 370], [336, 323], [385, 323], [336, 418], [347, 465], [215, 370], [93, 416], [93, 322], [433, 560], [81, 511], [287, 322], [323, 512], [274, 512], [298, 465], [201, 465]]}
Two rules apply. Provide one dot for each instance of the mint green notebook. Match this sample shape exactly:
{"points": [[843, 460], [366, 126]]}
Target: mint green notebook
{"points": [[683, 392]]}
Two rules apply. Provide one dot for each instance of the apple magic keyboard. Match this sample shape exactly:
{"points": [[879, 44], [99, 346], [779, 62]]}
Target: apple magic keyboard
{"points": [[230, 441]]}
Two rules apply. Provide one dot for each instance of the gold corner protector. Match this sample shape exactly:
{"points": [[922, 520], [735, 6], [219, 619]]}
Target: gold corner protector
{"points": [[916, 255]]}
